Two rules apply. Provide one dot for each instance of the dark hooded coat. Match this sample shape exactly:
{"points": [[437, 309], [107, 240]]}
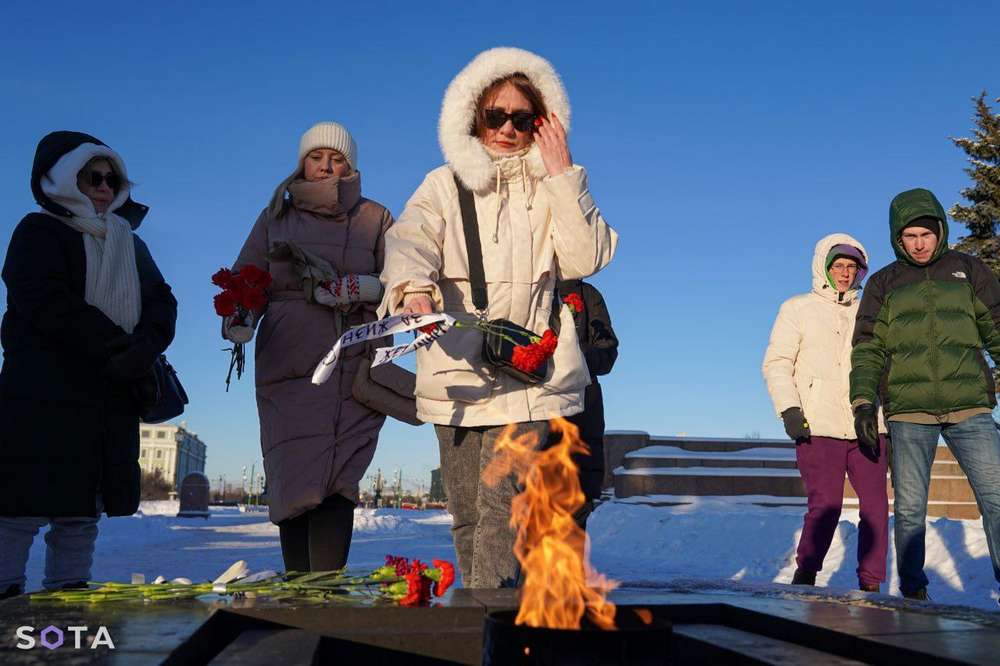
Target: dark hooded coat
{"points": [[600, 349], [67, 432]]}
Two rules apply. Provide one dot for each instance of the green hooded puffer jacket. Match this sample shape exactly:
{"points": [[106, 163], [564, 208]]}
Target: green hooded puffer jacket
{"points": [[921, 329]]}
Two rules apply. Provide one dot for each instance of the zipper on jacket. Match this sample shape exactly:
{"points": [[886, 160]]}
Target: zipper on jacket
{"points": [[932, 361]]}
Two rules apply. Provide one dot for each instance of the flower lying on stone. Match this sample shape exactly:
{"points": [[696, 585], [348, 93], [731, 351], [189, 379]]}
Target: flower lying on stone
{"points": [[403, 581]]}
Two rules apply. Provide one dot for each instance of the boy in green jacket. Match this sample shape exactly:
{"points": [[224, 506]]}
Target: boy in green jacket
{"points": [[921, 330]]}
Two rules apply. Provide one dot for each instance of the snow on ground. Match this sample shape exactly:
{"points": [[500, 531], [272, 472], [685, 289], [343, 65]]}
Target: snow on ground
{"points": [[717, 540], [715, 543], [155, 542]]}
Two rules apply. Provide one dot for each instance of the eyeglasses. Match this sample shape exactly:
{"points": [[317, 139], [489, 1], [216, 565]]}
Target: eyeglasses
{"points": [[96, 178], [523, 121], [841, 268]]}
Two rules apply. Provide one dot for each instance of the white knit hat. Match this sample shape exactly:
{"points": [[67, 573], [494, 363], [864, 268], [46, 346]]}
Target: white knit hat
{"points": [[330, 135]]}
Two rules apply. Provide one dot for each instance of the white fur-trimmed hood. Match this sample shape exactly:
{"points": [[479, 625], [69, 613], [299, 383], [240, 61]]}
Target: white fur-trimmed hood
{"points": [[463, 152], [59, 184]]}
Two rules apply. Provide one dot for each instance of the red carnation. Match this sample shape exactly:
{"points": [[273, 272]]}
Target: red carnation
{"points": [[447, 577], [400, 564], [414, 585], [254, 299], [528, 358], [574, 301], [418, 589], [549, 342], [255, 277], [225, 304], [223, 278]]}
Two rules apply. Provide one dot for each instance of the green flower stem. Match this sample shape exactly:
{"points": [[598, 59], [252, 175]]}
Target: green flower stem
{"points": [[305, 587], [486, 327]]}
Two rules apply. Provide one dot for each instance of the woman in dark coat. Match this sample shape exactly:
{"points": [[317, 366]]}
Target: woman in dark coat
{"points": [[87, 315], [600, 348]]}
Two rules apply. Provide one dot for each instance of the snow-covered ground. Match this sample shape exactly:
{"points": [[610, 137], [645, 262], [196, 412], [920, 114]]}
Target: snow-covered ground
{"points": [[718, 542]]}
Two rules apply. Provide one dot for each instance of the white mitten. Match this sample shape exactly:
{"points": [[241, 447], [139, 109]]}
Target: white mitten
{"points": [[348, 289], [239, 333]]}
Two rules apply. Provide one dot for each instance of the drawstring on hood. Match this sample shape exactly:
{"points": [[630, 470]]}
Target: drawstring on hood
{"points": [[508, 168]]}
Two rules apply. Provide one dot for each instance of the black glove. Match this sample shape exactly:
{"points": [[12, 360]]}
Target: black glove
{"points": [[866, 427], [795, 424], [132, 358]]}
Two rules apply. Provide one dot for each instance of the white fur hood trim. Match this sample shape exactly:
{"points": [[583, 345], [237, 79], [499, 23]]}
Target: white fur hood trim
{"points": [[464, 153], [59, 184]]}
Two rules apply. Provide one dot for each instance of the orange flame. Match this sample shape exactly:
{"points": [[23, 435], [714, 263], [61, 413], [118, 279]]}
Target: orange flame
{"points": [[559, 583]]}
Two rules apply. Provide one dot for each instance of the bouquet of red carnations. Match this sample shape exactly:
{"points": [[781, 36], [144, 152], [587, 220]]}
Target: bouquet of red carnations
{"points": [[525, 357], [243, 295]]}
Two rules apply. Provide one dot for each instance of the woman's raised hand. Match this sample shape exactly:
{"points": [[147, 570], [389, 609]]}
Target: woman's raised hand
{"points": [[550, 135], [418, 304]]}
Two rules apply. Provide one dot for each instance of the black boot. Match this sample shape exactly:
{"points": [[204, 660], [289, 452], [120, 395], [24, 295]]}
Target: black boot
{"points": [[917, 595], [804, 577], [12, 591]]}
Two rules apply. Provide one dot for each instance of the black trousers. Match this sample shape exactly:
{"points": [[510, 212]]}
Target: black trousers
{"points": [[320, 538]]}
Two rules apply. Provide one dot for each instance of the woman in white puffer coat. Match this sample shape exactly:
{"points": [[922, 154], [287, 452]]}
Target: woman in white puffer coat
{"points": [[807, 367], [503, 128]]}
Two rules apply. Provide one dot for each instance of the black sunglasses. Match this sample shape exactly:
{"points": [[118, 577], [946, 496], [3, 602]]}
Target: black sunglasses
{"points": [[523, 121], [95, 179]]}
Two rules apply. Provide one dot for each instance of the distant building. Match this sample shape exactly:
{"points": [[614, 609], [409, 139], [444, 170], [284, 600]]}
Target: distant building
{"points": [[172, 449], [437, 487]]}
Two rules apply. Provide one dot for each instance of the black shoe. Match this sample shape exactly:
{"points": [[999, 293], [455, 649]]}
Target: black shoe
{"points": [[12, 591], [804, 577], [868, 587], [78, 585], [917, 595]]}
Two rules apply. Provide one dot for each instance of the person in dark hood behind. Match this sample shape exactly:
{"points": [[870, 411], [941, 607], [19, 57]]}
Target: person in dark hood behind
{"points": [[923, 325], [600, 349], [87, 315]]}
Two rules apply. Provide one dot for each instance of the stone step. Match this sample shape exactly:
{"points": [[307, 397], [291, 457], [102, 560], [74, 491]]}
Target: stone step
{"points": [[783, 457], [674, 456], [944, 454], [779, 482], [943, 488], [936, 509], [638, 465], [708, 481], [720, 443]]}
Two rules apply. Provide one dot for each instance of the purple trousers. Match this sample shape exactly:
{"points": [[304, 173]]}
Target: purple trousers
{"points": [[823, 461]]}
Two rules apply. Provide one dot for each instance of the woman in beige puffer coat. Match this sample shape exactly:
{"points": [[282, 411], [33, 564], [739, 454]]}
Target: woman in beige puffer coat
{"points": [[317, 441], [503, 130], [807, 367]]}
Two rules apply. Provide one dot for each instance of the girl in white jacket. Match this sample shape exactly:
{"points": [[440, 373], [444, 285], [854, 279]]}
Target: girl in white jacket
{"points": [[503, 128], [807, 368]]}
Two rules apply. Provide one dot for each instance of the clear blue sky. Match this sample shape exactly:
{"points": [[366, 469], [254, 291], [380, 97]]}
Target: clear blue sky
{"points": [[722, 140]]}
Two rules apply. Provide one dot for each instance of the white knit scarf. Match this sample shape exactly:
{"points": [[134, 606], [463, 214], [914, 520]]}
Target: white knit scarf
{"points": [[112, 281]]}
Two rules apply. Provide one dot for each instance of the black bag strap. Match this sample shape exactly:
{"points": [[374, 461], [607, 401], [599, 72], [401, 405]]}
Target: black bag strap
{"points": [[470, 225]]}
